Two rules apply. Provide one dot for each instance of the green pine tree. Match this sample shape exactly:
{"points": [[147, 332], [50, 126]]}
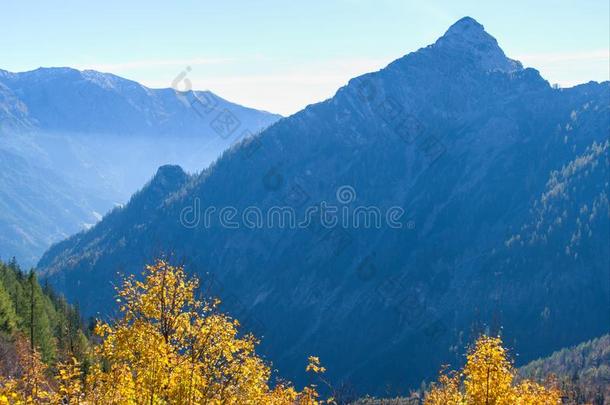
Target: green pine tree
{"points": [[8, 317]]}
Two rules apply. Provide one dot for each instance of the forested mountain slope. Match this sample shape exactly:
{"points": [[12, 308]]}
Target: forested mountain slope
{"points": [[28, 309]]}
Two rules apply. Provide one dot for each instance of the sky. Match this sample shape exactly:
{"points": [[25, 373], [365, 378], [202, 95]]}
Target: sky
{"points": [[280, 56]]}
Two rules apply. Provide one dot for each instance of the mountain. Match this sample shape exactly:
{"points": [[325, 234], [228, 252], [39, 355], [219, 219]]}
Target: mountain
{"points": [[76, 143], [486, 195]]}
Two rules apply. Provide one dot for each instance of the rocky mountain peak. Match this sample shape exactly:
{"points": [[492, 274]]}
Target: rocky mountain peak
{"points": [[468, 37], [169, 174], [467, 27]]}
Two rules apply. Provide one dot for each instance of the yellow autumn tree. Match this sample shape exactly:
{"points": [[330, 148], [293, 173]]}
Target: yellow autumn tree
{"points": [[488, 378], [446, 391], [69, 388], [30, 384], [488, 373], [171, 348]]}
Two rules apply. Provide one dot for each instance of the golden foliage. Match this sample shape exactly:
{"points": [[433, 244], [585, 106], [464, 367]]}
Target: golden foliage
{"points": [[488, 373], [314, 365], [8, 392], [29, 385], [488, 378], [446, 391], [170, 348], [69, 383], [166, 348]]}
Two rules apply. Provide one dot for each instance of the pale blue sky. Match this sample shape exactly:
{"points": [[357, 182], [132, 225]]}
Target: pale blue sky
{"points": [[282, 55]]}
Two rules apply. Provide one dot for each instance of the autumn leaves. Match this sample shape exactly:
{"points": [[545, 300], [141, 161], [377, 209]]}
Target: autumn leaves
{"points": [[169, 347], [166, 348], [488, 378]]}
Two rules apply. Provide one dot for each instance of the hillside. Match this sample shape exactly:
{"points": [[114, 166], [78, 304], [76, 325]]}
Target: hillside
{"points": [[502, 181], [26, 307], [583, 370]]}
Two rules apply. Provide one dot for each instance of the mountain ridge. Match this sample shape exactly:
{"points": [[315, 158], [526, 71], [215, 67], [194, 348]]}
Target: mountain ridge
{"points": [[40, 85]]}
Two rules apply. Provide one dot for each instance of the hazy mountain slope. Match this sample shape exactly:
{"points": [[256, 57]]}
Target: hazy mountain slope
{"points": [[470, 145], [121, 220], [87, 140], [98, 122], [38, 207]]}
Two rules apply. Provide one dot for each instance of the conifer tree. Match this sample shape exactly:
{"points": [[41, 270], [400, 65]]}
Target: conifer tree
{"points": [[8, 317]]}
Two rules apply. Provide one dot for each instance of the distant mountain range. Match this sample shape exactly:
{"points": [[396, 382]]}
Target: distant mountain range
{"points": [[66, 100], [503, 181], [76, 143]]}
